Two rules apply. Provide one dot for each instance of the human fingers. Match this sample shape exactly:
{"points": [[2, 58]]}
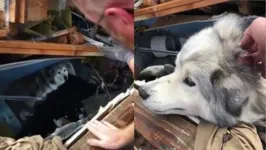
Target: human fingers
{"points": [[96, 143], [94, 129], [254, 48], [259, 56], [247, 40], [247, 58], [109, 125], [103, 126]]}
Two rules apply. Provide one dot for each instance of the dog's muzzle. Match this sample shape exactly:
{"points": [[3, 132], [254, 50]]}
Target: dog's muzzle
{"points": [[142, 93], [66, 77]]}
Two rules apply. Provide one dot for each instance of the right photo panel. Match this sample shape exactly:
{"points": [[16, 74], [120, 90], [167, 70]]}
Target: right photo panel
{"points": [[200, 75]]}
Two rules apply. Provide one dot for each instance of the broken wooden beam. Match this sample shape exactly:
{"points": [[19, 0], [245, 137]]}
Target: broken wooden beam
{"points": [[37, 10], [172, 7], [56, 34], [3, 33], [121, 116], [42, 48], [164, 132], [22, 11], [163, 22], [18, 11], [13, 10]]}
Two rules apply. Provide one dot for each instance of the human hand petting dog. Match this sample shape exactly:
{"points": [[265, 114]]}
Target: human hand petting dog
{"points": [[254, 40], [109, 136]]}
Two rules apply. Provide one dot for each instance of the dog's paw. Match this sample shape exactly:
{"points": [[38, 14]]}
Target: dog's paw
{"points": [[168, 69], [157, 71], [152, 71]]}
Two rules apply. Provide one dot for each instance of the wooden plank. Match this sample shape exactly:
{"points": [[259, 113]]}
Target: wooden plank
{"points": [[2, 5], [3, 32], [177, 19], [13, 10], [154, 12], [57, 34], [37, 10], [22, 11], [121, 116], [164, 132], [23, 47], [141, 143], [2, 20], [163, 6], [244, 7]]}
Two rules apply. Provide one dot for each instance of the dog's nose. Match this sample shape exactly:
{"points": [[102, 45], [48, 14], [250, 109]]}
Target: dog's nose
{"points": [[136, 86], [65, 77], [142, 93]]}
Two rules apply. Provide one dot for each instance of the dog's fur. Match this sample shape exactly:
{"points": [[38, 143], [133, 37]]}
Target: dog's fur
{"points": [[209, 80], [38, 84], [42, 83]]}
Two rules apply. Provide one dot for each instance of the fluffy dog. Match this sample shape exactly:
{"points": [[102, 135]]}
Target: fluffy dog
{"points": [[42, 83], [209, 80], [39, 84]]}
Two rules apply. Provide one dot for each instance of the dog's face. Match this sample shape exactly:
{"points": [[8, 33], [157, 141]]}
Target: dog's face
{"points": [[60, 73], [179, 92], [207, 81]]}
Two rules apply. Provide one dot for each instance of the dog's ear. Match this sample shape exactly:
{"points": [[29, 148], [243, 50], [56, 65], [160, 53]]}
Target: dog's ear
{"points": [[70, 68], [230, 91], [216, 76]]}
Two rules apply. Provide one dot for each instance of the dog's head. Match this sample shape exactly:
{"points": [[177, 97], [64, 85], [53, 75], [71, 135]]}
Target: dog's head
{"points": [[208, 80], [59, 74]]}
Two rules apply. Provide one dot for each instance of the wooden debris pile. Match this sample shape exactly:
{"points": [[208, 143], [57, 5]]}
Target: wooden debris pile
{"points": [[44, 27]]}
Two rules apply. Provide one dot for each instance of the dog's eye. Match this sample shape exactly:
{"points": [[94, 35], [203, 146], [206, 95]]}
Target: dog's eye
{"points": [[189, 82], [58, 72]]}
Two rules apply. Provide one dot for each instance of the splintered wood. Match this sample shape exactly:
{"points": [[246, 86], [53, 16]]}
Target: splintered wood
{"points": [[164, 132], [21, 11], [121, 116], [18, 11], [37, 10], [172, 7], [41, 48]]}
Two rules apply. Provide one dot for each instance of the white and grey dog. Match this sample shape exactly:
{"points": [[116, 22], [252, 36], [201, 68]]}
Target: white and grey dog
{"points": [[208, 80], [38, 84], [42, 83]]}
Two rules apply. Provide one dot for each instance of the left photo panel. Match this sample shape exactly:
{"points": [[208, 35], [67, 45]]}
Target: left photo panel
{"points": [[67, 74]]}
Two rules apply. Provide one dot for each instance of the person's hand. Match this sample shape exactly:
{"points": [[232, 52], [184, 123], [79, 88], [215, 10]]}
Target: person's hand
{"points": [[118, 53], [254, 40], [109, 136]]}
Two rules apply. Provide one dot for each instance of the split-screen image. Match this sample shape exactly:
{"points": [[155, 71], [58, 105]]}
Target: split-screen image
{"points": [[132, 75]]}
